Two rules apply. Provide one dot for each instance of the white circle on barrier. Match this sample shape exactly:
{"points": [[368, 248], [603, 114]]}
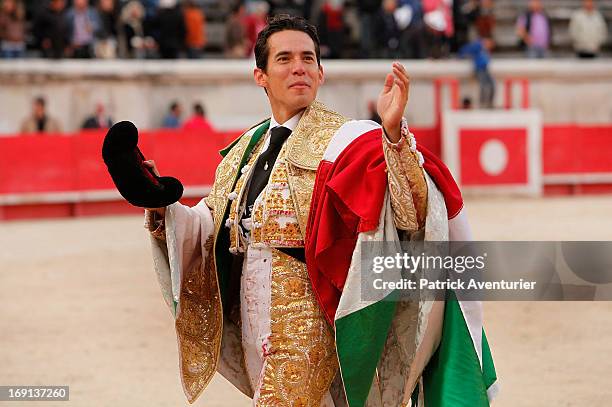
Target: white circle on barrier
{"points": [[493, 157]]}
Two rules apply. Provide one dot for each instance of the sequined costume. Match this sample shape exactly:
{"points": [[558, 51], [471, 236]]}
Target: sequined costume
{"points": [[258, 322]]}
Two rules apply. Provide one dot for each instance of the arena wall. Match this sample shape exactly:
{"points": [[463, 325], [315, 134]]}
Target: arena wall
{"points": [[566, 91]]}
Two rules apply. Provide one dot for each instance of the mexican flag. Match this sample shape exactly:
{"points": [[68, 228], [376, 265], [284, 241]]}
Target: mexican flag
{"points": [[350, 205]]}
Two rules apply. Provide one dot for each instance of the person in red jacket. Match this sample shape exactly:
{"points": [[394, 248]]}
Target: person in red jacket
{"points": [[198, 120]]}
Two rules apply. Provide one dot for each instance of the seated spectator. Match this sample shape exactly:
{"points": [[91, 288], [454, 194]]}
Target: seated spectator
{"points": [[387, 31], [106, 44], [236, 42], [534, 30], [40, 121], [331, 29], [198, 120], [84, 25], [12, 29], [483, 16], [466, 103], [373, 113], [368, 11], [133, 43], [588, 30], [173, 118], [51, 29], [480, 52], [438, 18], [169, 26], [99, 120], [253, 22], [195, 26], [410, 21]]}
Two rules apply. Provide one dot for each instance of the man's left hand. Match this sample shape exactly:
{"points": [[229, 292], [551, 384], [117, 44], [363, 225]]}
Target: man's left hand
{"points": [[392, 101]]}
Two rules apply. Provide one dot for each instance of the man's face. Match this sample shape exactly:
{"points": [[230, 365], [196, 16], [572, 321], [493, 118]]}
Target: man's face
{"points": [[589, 5], [535, 6], [81, 4], [293, 75], [38, 109], [178, 111], [58, 5]]}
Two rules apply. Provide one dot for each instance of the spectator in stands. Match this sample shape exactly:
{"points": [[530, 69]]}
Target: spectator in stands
{"points": [[588, 30], [466, 103], [369, 11], [236, 42], [195, 29], [106, 44], [480, 52], [40, 121], [132, 40], [173, 118], [438, 19], [412, 37], [254, 21], [534, 30], [84, 25], [461, 24], [169, 24], [331, 29], [482, 14], [198, 120], [150, 8], [485, 20], [373, 113], [99, 120], [52, 30], [12, 29], [388, 32]]}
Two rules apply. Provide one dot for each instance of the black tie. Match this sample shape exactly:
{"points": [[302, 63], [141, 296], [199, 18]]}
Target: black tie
{"points": [[264, 164]]}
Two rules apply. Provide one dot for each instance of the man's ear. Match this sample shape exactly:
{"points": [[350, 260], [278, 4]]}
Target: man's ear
{"points": [[261, 79], [321, 75]]}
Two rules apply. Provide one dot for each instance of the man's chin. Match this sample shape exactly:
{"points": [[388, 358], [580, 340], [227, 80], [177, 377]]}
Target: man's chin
{"points": [[303, 101]]}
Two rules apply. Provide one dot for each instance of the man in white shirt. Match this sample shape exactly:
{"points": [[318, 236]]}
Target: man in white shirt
{"points": [[588, 30]]}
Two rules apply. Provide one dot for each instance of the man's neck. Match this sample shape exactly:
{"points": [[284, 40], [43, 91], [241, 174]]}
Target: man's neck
{"points": [[291, 123], [282, 115]]}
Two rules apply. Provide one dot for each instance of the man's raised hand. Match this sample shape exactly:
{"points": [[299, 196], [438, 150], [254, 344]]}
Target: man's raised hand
{"points": [[392, 101]]}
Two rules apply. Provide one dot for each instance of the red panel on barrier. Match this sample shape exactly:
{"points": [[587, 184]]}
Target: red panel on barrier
{"points": [[188, 156], [32, 164], [90, 171], [506, 165], [429, 138], [36, 164], [577, 149]]}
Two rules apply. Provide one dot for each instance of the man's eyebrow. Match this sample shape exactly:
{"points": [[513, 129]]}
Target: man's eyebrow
{"points": [[285, 53]]}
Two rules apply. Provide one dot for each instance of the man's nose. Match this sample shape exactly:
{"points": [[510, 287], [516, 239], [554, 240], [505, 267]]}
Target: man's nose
{"points": [[298, 67]]}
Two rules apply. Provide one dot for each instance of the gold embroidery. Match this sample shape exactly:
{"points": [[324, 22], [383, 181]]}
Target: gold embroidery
{"points": [[305, 149], [302, 362], [407, 187], [274, 219], [199, 321], [198, 324], [224, 179], [238, 203], [301, 183], [307, 144]]}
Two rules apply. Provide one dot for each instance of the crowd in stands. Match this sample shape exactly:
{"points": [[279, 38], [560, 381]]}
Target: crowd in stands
{"points": [[171, 29], [39, 121]]}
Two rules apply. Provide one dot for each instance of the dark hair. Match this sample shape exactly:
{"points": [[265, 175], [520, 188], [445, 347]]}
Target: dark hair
{"points": [[40, 100], [283, 22], [199, 109], [174, 105]]}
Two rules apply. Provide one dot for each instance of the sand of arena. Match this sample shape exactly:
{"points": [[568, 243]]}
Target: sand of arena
{"points": [[80, 306]]}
